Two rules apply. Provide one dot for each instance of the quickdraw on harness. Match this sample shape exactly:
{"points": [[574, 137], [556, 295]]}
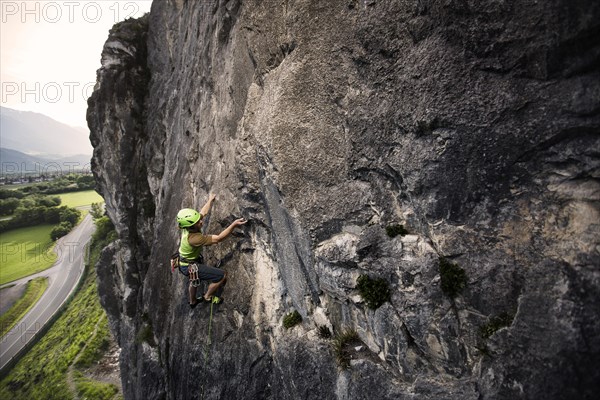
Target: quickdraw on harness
{"points": [[194, 277]]}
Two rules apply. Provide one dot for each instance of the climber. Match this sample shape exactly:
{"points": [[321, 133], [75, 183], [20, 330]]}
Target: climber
{"points": [[190, 252]]}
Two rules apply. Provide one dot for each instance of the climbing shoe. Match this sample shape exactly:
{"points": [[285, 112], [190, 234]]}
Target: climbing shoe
{"points": [[192, 306]]}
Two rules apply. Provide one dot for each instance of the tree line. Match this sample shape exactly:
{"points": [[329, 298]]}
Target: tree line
{"points": [[33, 204], [36, 210], [67, 183]]}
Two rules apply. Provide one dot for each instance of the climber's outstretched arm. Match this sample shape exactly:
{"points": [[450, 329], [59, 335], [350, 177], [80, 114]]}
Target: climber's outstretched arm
{"points": [[206, 209], [214, 239]]}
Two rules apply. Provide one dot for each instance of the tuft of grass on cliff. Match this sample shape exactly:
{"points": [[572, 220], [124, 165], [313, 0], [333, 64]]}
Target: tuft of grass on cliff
{"points": [[78, 335]]}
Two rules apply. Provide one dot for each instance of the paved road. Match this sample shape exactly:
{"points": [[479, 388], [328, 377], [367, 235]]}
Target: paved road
{"points": [[63, 278]]}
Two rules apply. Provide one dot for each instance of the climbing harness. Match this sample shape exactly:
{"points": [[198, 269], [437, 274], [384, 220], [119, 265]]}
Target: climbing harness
{"points": [[214, 301]]}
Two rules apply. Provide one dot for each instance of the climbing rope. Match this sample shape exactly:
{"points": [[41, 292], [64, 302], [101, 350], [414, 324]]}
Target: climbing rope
{"points": [[207, 346]]}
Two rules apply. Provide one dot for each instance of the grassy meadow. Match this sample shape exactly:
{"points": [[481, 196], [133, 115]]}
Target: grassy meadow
{"points": [[25, 251], [80, 199]]}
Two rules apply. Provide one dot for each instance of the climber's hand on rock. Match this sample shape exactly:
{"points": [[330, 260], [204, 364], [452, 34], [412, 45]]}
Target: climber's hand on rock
{"points": [[240, 221]]}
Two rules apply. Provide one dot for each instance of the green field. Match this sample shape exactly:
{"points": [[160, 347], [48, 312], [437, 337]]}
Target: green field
{"points": [[25, 251], [79, 199]]}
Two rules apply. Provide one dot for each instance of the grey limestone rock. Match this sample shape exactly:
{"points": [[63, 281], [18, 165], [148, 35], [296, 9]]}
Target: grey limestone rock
{"points": [[475, 125]]}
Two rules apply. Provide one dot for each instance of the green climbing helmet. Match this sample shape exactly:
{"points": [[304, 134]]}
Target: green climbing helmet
{"points": [[188, 217]]}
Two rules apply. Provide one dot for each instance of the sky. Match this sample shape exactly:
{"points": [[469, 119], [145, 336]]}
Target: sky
{"points": [[50, 51]]}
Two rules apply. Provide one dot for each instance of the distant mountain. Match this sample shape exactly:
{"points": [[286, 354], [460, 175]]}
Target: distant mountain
{"points": [[14, 162], [36, 134]]}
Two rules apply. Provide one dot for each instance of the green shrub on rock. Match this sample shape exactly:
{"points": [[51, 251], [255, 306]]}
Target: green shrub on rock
{"points": [[291, 319], [341, 347], [395, 230], [374, 292], [453, 277], [324, 332]]}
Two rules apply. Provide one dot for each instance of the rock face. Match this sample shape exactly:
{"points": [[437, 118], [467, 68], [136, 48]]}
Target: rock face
{"points": [[472, 124]]}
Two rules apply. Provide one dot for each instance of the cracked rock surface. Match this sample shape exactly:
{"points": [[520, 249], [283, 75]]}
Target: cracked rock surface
{"points": [[472, 124]]}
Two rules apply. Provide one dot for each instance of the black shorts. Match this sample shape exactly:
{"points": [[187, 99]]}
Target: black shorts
{"points": [[205, 273]]}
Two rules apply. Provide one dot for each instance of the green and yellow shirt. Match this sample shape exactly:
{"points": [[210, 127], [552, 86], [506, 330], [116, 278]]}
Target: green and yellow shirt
{"points": [[190, 246]]}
